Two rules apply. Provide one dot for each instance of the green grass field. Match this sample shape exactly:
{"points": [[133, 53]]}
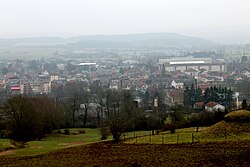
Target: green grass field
{"points": [[29, 52], [180, 136], [186, 135], [57, 141], [54, 150]]}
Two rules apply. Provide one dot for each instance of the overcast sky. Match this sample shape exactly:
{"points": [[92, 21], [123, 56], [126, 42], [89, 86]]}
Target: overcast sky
{"points": [[213, 19]]}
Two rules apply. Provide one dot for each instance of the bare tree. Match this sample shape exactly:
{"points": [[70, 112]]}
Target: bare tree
{"points": [[118, 113], [30, 118], [73, 98]]}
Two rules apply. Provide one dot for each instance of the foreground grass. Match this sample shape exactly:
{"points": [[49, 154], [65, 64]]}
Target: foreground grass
{"points": [[57, 141], [108, 154]]}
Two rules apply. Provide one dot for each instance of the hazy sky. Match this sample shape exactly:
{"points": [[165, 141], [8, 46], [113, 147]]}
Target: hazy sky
{"points": [[206, 18]]}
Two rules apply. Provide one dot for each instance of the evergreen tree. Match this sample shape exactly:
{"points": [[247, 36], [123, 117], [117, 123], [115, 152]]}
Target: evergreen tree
{"points": [[121, 71], [163, 70], [244, 104], [187, 97]]}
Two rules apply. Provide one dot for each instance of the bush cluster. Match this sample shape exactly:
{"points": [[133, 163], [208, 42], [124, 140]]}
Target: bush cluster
{"points": [[105, 132]]}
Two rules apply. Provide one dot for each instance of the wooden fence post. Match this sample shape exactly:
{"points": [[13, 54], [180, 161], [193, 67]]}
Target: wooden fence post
{"points": [[163, 138], [192, 137], [225, 134], [150, 138]]}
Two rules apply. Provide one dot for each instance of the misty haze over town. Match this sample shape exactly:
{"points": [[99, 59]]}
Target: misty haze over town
{"points": [[124, 83]]}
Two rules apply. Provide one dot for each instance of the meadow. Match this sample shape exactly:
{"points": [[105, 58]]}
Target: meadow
{"points": [[57, 141], [186, 135], [29, 53]]}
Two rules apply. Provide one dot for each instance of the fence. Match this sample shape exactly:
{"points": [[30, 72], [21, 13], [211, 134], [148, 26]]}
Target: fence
{"points": [[183, 137], [163, 138]]}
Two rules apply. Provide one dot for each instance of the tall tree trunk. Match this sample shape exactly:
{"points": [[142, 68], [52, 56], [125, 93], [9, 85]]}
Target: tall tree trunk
{"points": [[98, 116], [85, 116], [73, 113]]}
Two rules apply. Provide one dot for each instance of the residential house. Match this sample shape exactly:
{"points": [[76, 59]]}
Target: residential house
{"points": [[199, 105], [214, 106], [177, 84]]}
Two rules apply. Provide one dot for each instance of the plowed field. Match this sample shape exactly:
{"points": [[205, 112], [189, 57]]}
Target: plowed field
{"points": [[108, 154]]}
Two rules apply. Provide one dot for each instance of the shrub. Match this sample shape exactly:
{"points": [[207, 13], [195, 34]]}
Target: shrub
{"points": [[172, 130], [105, 132], [4, 134], [66, 132], [82, 131], [74, 133], [17, 144], [169, 127], [59, 132]]}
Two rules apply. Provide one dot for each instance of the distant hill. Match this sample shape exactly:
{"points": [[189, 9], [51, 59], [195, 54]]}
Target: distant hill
{"points": [[114, 41], [141, 40], [32, 41]]}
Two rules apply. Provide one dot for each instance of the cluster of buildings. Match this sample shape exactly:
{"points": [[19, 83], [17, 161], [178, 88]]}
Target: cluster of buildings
{"points": [[168, 76]]}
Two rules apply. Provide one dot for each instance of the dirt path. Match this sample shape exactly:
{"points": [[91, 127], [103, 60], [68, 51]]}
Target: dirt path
{"points": [[7, 152]]}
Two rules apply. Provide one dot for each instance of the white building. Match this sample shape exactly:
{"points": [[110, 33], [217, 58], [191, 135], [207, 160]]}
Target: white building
{"points": [[184, 63], [214, 106], [177, 85]]}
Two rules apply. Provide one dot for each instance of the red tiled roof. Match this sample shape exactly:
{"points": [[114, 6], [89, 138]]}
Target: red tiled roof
{"points": [[15, 88], [199, 104], [211, 104], [204, 86]]}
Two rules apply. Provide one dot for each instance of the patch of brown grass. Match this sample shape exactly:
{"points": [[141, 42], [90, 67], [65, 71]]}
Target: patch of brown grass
{"points": [[238, 116], [6, 152], [235, 123]]}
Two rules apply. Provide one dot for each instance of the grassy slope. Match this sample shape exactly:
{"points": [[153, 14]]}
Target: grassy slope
{"points": [[236, 126]]}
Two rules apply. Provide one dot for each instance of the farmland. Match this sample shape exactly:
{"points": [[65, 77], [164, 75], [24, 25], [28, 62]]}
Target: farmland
{"points": [[29, 52], [139, 149], [108, 154]]}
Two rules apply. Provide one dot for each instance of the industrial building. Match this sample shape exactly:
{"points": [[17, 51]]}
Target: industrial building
{"points": [[187, 63]]}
